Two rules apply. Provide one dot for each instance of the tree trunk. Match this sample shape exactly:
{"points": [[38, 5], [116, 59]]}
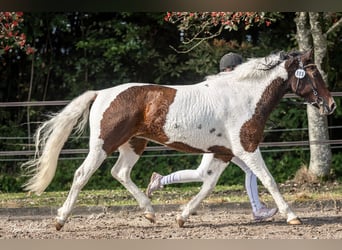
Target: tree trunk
{"points": [[320, 154], [303, 33]]}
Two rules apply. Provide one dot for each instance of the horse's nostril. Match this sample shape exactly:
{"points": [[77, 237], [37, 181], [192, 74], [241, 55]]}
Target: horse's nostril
{"points": [[332, 107]]}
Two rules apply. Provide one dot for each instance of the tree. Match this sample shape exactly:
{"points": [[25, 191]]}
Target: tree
{"points": [[11, 38], [310, 35], [197, 27]]}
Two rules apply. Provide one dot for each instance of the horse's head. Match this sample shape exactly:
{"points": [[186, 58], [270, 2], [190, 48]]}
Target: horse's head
{"points": [[306, 81]]}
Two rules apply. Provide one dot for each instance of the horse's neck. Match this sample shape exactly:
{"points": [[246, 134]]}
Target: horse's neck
{"points": [[251, 131], [270, 99]]}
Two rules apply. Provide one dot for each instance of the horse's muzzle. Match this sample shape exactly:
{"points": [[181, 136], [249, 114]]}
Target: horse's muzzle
{"points": [[326, 108]]}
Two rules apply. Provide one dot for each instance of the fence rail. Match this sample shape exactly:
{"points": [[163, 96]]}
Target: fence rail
{"points": [[65, 102], [264, 145], [164, 148]]}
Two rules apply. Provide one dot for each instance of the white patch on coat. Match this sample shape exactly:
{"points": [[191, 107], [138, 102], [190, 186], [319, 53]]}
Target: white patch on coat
{"points": [[219, 103]]}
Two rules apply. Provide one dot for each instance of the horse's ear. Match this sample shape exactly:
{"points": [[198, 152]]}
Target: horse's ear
{"points": [[309, 54]]}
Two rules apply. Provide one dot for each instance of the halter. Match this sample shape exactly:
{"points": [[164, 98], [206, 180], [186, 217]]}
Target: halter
{"points": [[300, 74]]}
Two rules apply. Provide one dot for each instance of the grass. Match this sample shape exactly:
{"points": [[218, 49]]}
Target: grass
{"points": [[171, 195]]}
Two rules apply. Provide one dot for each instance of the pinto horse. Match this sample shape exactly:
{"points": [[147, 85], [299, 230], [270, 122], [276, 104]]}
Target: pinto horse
{"points": [[223, 115]]}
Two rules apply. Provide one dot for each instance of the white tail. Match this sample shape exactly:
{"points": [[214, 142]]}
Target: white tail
{"points": [[50, 138]]}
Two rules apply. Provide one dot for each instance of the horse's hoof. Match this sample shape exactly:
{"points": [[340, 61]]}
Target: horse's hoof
{"points": [[180, 221], [151, 217], [58, 226], [294, 221]]}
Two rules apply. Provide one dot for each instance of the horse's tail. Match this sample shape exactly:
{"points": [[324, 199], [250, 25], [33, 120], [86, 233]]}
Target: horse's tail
{"points": [[50, 138]]}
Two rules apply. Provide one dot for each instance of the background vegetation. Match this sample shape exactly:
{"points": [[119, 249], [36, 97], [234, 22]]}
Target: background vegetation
{"points": [[75, 52]]}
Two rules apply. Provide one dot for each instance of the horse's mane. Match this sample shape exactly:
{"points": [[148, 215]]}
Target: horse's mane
{"points": [[256, 68], [260, 67]]}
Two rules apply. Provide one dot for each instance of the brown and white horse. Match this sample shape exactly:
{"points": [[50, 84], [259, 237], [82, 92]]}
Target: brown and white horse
{"points": [[223, 115]]}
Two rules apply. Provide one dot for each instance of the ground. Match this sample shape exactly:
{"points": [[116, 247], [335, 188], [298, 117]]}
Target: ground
{"points": [[321, 220]]}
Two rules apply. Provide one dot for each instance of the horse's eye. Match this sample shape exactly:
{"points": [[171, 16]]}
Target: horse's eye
{"points": [[315, 72], [311, 67]]}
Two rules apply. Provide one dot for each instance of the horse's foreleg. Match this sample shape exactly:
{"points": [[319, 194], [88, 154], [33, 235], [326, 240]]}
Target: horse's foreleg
{"points": [[210, 178], [122, 170], [81, 177], [256, 163]]}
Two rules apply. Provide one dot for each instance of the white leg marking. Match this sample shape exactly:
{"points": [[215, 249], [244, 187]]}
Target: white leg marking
{"points": [[122, 170], [81, 177], [214, 170]]}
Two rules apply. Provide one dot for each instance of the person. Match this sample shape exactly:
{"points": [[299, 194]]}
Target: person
{"points": [[260, 212]]}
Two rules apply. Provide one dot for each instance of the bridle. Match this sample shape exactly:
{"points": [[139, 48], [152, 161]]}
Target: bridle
{"points": [[300, 74]]}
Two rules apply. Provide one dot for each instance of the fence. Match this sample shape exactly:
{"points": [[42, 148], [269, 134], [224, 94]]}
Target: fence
{"points": [[71, 154]]}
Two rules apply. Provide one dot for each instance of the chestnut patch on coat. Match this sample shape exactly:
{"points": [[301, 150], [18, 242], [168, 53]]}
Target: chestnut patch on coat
{"points": [[180, 146], [251, 132], [222, 153], [136, 111], [138, 145]]}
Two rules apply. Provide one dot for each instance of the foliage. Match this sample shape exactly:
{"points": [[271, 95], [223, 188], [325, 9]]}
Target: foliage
{"points": [[229, 20], [196, 27], [76, 51], [10, 35]]}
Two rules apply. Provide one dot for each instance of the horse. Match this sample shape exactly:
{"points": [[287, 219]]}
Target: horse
{"points": [[223, 115]]}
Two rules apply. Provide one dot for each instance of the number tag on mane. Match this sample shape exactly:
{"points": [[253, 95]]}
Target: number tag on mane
{"points": [[300, 73]]}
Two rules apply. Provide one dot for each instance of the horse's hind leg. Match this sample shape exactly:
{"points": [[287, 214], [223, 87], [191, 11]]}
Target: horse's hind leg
{"points": [[129, 154], [81, 177], [213, 171]]}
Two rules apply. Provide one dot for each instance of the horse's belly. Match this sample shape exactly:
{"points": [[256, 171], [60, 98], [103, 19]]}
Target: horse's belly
{"points": [[196, 136], [196, 121]]}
